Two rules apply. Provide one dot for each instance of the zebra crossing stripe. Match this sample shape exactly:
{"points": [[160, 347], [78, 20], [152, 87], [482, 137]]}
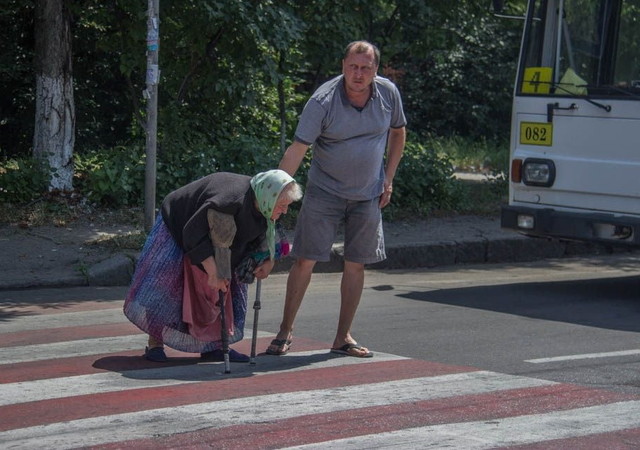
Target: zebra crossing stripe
{"points": [[81, 382], [340, 425], [508, 431], [47, 389], [246, 410], [243, 383]]}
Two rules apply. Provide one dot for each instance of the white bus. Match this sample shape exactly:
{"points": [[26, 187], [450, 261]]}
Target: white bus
{"points": [[575, 131]]}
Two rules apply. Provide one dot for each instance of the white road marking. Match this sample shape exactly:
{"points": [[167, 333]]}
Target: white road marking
{"points": [[47, 389], [69, 349], [583, 356], [81, 347], [69, 319]]}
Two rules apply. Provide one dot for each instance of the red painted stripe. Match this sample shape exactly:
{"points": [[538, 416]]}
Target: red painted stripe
{"points": [[50, 335], [373, 420], [19, 309], [84, 365], [72, 408]]}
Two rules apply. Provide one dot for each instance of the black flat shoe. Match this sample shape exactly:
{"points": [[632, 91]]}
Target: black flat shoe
{"points": [[218, 356], [155, 354]]}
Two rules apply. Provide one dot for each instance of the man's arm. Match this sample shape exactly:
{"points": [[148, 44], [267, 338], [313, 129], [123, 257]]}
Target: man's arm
{"points": [[293, 157], [395, 147]]}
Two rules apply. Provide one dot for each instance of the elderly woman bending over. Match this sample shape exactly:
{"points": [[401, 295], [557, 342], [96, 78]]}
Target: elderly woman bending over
{"points": [[206, 230]]}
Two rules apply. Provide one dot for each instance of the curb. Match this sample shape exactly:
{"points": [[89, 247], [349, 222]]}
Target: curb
{"points": [[118, 269]]}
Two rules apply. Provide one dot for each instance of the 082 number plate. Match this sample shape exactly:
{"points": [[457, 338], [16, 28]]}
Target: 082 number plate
{"points": [[536, 133]]}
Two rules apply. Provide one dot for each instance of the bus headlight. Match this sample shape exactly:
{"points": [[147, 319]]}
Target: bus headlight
{"points": [[538, 172]]}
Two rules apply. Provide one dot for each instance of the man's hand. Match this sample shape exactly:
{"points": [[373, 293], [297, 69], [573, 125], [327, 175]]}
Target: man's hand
{"points": [[385, 198]]}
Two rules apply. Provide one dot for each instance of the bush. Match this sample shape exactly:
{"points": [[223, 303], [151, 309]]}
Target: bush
{"points": [[113, 177], [22, 180], [424, 183]]}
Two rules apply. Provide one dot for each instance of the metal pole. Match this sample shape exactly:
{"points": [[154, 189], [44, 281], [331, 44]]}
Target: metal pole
{"points": [[151, 94], [224, 333], [256, 309]]}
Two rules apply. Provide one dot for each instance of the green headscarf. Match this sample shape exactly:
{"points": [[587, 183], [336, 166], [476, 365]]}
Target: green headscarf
{"points": [[267, 186]]}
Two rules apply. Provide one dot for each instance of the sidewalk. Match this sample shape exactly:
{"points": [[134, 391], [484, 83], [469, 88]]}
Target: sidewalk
{"points": [[68, 256]]}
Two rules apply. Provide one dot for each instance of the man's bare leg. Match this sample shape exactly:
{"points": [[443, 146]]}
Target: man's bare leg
{"points": [[297, 283], [351, 292]]}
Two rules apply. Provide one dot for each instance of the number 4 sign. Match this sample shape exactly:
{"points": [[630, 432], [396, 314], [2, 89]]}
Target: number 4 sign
{"points": [[537, 80]]}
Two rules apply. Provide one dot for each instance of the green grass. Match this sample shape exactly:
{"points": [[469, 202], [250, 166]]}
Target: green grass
{"points": [[477, 156], [489, 158]]}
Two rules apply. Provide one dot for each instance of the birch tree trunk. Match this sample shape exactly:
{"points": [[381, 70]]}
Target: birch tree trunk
{"points": [[54, 134]]}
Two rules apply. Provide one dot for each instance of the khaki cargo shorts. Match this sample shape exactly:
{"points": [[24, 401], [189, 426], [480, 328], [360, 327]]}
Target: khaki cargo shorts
{"points": [[320, 218]]}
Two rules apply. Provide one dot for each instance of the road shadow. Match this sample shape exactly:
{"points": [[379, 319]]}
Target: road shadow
{"points": [[611, 303], [194, 369]]}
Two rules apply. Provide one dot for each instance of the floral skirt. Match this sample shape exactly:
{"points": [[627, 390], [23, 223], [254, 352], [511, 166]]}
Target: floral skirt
{"points": [[154, 302]]}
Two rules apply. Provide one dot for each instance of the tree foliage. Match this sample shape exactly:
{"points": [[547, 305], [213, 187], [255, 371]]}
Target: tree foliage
{"points": [[17, 75], [235, 74]]}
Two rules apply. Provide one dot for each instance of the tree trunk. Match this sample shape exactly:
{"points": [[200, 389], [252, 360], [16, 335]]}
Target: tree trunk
{"points": [[54, 134]]}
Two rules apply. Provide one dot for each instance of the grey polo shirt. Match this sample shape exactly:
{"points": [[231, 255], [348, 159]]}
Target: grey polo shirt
{"points": [[349, 144]]}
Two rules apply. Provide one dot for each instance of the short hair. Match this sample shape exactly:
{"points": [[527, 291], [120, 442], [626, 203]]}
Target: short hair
{"points": [[291, 191], [362, 47]]}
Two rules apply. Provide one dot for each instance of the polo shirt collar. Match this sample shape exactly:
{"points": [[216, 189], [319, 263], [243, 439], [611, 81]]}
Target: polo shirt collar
{"points": [[343, 91]]}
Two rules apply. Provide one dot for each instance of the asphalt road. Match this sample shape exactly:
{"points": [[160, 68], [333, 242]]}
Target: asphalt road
{"points": [[486, 356], [503, 317]]}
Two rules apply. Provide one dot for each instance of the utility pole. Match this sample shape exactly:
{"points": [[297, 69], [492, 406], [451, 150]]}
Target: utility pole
{"points": [[151, 94]]}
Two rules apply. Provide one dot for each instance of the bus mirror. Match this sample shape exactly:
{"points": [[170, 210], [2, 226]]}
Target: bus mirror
{"points": [[498, 6]]}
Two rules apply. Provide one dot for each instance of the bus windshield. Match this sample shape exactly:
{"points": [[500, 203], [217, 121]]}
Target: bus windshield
{"points": [[581, 47]]}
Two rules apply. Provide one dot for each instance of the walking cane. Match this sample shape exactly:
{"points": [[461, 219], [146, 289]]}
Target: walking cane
{"points": [[256, 309], [225, 335]]}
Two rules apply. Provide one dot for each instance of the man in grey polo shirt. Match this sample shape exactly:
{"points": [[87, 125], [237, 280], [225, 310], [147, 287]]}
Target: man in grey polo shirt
{"points": [[349, 122]]}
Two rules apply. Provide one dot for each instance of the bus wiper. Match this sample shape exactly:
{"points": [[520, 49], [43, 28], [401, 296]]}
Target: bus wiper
{"points": [[607, 108]]}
